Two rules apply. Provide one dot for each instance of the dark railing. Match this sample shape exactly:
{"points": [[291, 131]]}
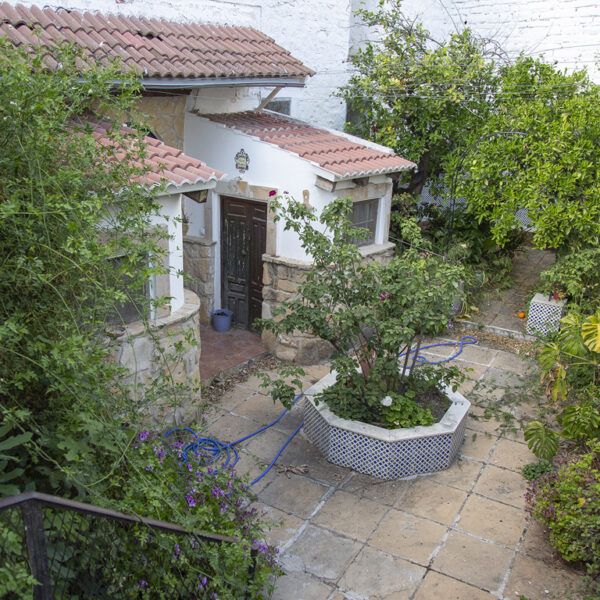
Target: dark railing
{"points": [[78, 550]]}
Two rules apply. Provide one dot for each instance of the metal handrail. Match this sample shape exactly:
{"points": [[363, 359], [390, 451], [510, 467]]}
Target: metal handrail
{"points": [[30, 504], [92, 509]]}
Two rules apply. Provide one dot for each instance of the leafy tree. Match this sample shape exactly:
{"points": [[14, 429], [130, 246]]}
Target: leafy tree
{"points": [[370, 313], [57, 282], [549, 167], [416, 94], [69, 426]]}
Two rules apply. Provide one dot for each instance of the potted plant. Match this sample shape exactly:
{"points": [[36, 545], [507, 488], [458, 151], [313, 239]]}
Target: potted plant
{"points": [[381, 410]]}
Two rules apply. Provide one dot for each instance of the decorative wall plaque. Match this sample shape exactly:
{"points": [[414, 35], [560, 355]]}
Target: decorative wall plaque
{"points": [[242, 161]]}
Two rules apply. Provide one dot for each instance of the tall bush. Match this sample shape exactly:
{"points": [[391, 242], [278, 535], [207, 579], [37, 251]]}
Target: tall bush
{"points": [[549, 167], [369, 312], [418, 94], [68, 206]]}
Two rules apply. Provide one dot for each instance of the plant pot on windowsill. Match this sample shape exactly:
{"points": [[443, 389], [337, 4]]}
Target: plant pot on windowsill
{"points": [[385, 453]]}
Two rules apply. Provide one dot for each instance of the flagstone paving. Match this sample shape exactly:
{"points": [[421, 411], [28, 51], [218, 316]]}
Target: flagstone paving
{"points": [[499, 309], [461, 534]]}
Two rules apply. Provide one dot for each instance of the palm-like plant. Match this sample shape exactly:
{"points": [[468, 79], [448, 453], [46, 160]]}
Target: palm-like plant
{"points": [[571, 373]]}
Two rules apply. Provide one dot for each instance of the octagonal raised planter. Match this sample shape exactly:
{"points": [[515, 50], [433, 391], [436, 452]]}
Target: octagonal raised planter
{"points": [[385, 453]]}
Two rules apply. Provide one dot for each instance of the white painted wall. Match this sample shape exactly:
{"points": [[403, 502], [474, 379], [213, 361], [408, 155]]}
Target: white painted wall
{"points": [[224, 100], [170, 217], [566, 31], [269, 166]]}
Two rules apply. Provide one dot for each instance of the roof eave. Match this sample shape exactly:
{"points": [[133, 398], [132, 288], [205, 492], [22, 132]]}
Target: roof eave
{"points": [[170, 83], [335, 177], [172, 188]]}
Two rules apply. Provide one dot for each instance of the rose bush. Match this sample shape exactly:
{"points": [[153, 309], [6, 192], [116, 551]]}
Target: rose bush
{"points": [[371, 314]]}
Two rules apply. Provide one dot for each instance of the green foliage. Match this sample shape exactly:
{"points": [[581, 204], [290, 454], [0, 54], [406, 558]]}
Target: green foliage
{"points": [[12, 446], [571, 372], [418, 95], [542, 441], [16, 581], [466, 241], [571, 362], [68, 206], [369, 312], [551, 170], [578, 274], [534, 471], [405, 412], [568, 503], [198, 499]]}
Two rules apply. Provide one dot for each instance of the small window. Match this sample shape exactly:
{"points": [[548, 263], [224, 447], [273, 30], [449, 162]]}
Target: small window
{"points": [[282, 107], [134, 308], [364, 214]]}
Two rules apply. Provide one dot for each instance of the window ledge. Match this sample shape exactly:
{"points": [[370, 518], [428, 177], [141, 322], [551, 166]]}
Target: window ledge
{"points": [[375, 249], [189, 309]]}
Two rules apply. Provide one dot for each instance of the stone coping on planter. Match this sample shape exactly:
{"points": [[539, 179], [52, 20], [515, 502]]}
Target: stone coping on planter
{"points": [[375, 249], [191, 306], [447, 425]]}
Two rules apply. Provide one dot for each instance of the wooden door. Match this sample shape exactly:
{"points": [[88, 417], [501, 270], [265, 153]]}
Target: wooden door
{"points": [[243, 243]]}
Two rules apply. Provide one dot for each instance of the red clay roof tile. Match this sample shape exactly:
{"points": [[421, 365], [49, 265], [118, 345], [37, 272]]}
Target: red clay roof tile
{"points": [[165, 164], [210, 50], [332, 151]]}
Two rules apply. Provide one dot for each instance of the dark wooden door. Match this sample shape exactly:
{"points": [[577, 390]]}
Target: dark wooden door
{"points": [[243, 243]]}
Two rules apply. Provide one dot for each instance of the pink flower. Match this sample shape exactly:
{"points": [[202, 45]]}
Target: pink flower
{"points": [[272, 193], [384, 296]]}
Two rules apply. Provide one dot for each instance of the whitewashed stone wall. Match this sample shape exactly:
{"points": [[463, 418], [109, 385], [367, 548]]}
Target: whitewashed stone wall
{"points": [[150, 352], [566, 31], [322, 32]]}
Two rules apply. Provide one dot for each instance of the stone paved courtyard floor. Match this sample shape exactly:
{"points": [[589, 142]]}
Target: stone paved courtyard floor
{"points": [[461, 534], [499, 309]]}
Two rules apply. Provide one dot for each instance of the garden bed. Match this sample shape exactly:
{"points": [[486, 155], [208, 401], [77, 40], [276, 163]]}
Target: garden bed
{"points": [[385, 453]]}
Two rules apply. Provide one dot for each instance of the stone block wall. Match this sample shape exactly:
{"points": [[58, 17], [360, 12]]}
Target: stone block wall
{"points": [[199, 268], [165, 114], [169, 346], [281, 277]]}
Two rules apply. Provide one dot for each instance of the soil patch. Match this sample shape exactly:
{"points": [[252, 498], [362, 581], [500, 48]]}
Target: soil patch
{"points": [[437, 402], [495, 342]]}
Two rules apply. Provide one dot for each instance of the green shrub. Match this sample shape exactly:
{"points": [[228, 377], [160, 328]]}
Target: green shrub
{"points": [[534, 471], [568, 503], [577, 275], [68, 206], [370, 313]]}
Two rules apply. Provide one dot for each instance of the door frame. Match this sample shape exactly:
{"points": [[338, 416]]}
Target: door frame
{"points": [[269, 242]]}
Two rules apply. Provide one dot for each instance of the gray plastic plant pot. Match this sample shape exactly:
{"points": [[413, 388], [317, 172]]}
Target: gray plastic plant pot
{"points": [[221, 319]]}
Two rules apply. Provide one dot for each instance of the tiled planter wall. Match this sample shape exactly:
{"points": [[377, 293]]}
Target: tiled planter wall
{"points": [[385, 453], [544, 315]]}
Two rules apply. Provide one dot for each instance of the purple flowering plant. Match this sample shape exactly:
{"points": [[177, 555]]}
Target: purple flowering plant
{"points": [[201, 498]]}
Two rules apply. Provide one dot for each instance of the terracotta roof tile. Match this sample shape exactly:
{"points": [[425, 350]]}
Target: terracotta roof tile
{"points": [[344, 156], [169, 49], [165, 164]]}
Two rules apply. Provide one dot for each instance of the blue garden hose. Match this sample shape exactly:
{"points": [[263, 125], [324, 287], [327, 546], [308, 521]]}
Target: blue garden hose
{"points": [[211, 451]]}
